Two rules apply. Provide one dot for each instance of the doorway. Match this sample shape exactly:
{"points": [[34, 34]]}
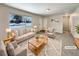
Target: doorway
{"points": [[66, 23]]}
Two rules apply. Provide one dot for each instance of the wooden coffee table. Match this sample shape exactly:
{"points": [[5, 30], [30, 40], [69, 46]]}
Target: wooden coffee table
{"points": [[36, 45]]}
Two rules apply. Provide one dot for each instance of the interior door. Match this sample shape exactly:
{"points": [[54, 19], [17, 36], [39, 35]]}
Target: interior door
{"points": [[66, 23]]}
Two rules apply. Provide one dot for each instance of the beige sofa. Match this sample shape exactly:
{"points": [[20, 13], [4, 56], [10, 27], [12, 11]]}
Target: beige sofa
{"points": [[22, 34], [24, 37]]}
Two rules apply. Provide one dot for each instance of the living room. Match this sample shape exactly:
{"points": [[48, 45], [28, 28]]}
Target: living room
{"points": [[55, 23]]}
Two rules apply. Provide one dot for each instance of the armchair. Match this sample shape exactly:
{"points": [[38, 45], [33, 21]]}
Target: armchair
{"points": [[51, 34], [15, 50]]}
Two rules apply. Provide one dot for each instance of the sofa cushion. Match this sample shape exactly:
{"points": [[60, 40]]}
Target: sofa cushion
{"points": [[10, 49], [21, 32], [2, 49], [24, 31]]}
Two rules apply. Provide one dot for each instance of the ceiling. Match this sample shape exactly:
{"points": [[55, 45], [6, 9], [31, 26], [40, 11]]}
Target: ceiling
{"points": [[40, 8]]}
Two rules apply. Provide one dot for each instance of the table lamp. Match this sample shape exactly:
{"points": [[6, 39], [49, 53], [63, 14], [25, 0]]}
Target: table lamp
{"points": [[8, 31], [35, 28]]}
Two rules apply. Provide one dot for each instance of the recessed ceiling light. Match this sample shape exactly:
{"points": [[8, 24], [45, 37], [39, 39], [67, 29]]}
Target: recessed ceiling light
{"points": [[47, 9]]}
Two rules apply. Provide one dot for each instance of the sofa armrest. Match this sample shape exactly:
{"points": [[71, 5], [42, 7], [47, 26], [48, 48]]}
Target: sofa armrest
{"points": [[3, 51]]}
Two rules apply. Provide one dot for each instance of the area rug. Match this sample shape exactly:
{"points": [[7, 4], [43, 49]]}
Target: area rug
{"points": [[53, 48]]}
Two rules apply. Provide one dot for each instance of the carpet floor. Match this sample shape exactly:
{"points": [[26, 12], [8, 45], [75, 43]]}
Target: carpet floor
{"points": [[56, 47], [52, 48]]}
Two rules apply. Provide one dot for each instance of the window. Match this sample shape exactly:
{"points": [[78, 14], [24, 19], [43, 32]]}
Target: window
{"points": [[18, 21]]}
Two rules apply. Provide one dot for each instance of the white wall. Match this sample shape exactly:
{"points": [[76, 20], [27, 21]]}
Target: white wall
{"points": [[45, 22], [3, 22], [74, 21], [40, 25], [4, 13], [58, 26]]}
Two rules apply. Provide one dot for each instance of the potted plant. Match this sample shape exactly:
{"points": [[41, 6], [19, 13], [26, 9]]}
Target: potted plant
{"points": [[77, 29]]}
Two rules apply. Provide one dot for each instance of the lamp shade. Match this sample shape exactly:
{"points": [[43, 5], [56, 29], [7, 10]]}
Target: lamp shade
{"points": [[35, 26], [8, 30]]}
